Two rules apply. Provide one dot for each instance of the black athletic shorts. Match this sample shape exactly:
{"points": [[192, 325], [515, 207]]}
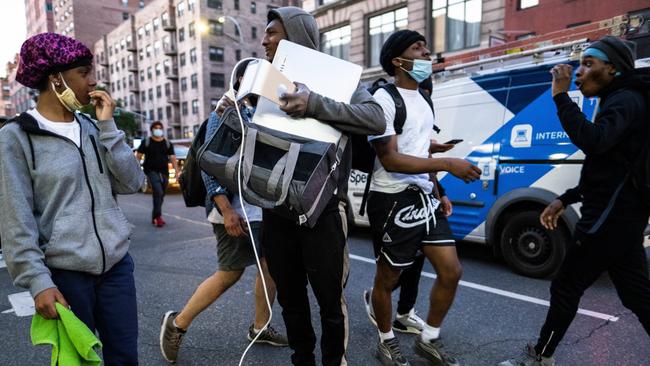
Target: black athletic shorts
{"points": [[401, 223]]}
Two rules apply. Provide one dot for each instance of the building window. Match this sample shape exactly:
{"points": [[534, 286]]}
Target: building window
{"points": [[147, 29], [216, 28], [525, 4], [180, 9], [184, 108], [156, 23], [168, 111], [253, 7], [236, 4], [190, 5], [159, 91], [150, 92], [140, 32], [254, 32], [181, 34], [194, 81], [183, 84], [167, 89], [214, 4], [190, 29], [147, 51], [144, 97], [216, 54], [151, 116], [125, 16], [237, 55], [158, 69], [195, 106], [382, 26], [456, 24], [141, 75], [193, 55], [181, 59], [149, 73], [141, 54], [337, 42], [217, 80], [160, 113]]}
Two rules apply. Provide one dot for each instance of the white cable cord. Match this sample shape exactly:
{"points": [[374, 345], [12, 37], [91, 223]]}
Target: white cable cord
{"points": [[248, 224]]}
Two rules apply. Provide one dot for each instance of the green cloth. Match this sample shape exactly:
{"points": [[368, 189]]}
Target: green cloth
{"points": [[72, 342]]}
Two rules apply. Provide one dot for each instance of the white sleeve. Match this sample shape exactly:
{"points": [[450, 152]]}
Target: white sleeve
{"points": [[388, 106]]}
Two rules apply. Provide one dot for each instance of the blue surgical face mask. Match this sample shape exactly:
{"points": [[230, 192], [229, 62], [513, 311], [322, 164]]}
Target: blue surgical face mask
{"points": [[157, 132], [421, 70]]}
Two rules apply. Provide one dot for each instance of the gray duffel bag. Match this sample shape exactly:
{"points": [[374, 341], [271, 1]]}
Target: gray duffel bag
{"points": [[291, 175]]}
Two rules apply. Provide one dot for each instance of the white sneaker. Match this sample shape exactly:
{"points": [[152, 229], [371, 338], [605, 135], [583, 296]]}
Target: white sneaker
{"points": [[408, 323]]}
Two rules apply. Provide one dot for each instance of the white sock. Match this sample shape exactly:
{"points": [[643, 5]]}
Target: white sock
{"points": [[384, 336], [256, 330], [430, 333], [404, 315]]}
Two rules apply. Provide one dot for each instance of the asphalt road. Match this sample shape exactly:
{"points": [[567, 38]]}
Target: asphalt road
{"points": [[495, 313]]}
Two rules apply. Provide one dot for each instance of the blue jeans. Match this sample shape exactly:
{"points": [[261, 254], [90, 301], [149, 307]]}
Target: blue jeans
{"points": [[158, 183], [105, 303]]}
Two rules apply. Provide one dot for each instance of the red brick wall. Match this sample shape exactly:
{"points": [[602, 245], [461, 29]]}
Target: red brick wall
{"points": [[553, 15]]}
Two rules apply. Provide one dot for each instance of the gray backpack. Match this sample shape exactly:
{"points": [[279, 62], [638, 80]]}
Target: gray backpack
{"points": [[293, 176]]}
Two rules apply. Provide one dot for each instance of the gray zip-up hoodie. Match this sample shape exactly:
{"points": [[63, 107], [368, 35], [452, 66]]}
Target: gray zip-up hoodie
{"points": [[56, 199], [363, 115]]}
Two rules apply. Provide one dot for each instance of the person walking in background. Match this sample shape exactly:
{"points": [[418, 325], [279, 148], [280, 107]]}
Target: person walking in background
{"points": [[64, 236], [158, 152]]}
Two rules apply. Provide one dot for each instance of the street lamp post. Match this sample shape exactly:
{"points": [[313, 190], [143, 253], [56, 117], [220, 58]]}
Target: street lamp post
{"points": [[222, 20]]}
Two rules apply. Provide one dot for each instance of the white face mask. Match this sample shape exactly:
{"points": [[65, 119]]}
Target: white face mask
{"points": [[157, 132], [68, 99]]}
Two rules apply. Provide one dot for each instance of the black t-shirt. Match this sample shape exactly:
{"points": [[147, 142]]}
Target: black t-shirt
{"points": [[156, 155]]}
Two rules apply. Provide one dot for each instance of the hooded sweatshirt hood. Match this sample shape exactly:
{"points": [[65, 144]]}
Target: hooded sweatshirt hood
{"points": [[300, 26]]}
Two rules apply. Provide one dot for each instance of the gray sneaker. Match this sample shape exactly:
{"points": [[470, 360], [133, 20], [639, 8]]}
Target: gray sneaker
{"points": [[434, 353], [529, 357], [408, 323], [389, 353], [367, 301], [170, 337], [268, 336]]}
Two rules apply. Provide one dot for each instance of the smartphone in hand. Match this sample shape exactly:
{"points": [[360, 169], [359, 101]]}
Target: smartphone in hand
{"points": [[454, 141]]}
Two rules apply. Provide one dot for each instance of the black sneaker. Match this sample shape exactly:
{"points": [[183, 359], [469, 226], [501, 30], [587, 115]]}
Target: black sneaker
{"points": [[390, 354], [268, 336], [434, 353], [170, 337], [529, 358]]}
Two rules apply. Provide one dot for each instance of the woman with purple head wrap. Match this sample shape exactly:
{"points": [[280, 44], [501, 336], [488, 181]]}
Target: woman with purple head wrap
{"points": [[64, 237]]}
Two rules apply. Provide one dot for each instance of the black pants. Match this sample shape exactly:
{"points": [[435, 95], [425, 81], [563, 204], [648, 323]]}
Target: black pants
{"points": [[299, 255], [617, 249], [158, 183], [409, 282]]}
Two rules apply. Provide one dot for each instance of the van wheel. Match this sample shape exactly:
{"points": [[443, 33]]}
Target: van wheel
{"points": [[529, 248]]}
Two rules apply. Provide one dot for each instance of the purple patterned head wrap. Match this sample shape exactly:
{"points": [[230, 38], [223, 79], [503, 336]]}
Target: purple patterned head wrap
{"points": [[48, 53]]}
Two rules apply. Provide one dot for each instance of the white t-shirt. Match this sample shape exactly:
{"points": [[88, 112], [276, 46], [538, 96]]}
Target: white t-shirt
{"points": [[414, 140], [70, 130]]}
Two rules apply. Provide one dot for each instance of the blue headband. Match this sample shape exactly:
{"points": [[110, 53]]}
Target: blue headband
{"points": [[596, 53]]}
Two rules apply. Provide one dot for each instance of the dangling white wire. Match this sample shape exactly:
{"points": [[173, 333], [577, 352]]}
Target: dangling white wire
{"points": [[248, 224]]}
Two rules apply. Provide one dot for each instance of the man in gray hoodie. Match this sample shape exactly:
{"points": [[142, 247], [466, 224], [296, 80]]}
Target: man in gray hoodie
{"points": [[64, 236], [298, 255]]}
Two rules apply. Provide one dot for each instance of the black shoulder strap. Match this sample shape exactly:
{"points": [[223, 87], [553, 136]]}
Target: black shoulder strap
{"points": [[427, 98], [400, 108]]}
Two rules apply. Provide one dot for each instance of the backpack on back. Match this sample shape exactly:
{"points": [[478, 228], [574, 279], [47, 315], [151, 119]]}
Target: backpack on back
{"points": [[363, 154], [190, 179]]}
